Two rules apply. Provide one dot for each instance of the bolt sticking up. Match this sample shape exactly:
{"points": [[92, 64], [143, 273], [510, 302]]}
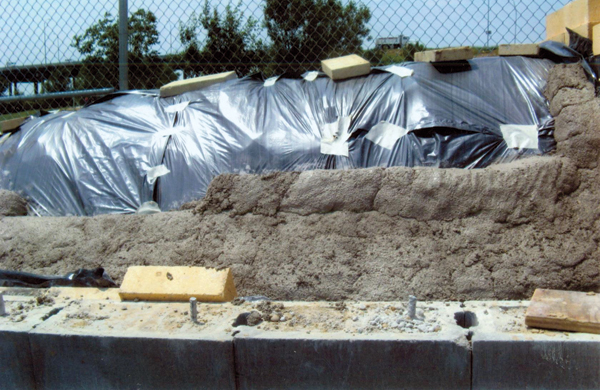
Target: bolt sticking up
{"points": [[2, 307], [412, 307], [193, 309]]}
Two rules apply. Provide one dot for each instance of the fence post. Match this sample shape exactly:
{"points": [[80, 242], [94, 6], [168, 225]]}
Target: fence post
{"points": [[123, 41]]}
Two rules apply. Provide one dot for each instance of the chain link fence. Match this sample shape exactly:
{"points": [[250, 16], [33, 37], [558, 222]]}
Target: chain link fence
{"points": [[59, 54]]}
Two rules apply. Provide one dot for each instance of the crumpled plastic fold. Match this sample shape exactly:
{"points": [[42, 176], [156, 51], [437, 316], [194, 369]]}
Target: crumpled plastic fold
{"points": [[96, 160]]}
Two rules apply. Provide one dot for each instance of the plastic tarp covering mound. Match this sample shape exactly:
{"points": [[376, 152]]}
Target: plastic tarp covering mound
{"points": [[127, 149]]}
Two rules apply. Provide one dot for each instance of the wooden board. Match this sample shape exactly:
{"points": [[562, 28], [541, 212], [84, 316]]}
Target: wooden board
{"points": [[523, 49], [182, 86], [442, 55], [564, 310], [11, 124]]}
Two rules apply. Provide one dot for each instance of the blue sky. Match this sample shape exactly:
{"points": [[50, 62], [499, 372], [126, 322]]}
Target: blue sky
{"points": [[27, 24]]}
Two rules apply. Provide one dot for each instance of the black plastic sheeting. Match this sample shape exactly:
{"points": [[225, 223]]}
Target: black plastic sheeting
{"points": [[81, 278], [97, 160]]}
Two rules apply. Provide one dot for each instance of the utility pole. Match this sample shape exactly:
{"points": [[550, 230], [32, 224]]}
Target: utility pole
{"points": [[123, 45], [487, 31]]}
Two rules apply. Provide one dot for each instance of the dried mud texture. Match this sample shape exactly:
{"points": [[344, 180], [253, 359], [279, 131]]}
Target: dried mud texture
{"points": [[11, 204], [373, 234]]}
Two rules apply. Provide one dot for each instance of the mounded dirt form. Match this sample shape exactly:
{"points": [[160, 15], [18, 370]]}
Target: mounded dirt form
{"points": [[372, 234]]}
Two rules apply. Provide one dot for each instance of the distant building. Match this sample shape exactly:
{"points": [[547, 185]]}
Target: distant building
{"points": [[391, 42]]}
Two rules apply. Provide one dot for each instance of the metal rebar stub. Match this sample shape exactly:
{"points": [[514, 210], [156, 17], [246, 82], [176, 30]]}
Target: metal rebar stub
{"points": [[412, 306], [194, 309], [2, 307]]}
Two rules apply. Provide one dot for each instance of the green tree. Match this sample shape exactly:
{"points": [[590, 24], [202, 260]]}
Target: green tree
{"points": [[380, 56], [304, 32], [4, 84], [59, 81], [231, 42], [99, 45]]}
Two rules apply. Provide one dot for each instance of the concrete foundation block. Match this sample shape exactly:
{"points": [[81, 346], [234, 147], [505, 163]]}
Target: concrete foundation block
{"points": [[107, 344], [328, 362], [535, 364], [443, 55], [15, 360], [103, 362], [509, 355], [16, 366]]}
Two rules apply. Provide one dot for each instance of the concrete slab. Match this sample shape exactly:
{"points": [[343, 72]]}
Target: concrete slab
{"points": [[508, 355], [285, 358]]}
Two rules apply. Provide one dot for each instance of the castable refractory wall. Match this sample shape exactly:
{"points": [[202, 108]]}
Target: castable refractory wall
{"points": [[368, 234]]}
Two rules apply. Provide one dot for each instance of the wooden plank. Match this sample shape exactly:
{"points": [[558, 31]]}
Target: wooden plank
{"points": [[564, 310], [11, 124], [181, 86], [443, 55], [177, 284], [524, 49]]}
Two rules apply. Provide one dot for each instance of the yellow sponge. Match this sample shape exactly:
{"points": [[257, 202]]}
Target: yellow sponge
{"points": [[346, 67], [177, 284]]}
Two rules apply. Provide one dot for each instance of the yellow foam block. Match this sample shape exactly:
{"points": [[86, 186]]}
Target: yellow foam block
{"points": [[442, 55], [562, 38], [586, 30], [178, 284], [580, 12], [181, 86], [555, 24], [596, 39], [346, 67], [524, 49]]}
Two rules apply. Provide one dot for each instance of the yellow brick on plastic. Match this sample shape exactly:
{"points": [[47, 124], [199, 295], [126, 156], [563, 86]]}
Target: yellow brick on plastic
{"points": [[524, 49], [341, 68], [177, 284], [443, 55], [181, 86]]}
